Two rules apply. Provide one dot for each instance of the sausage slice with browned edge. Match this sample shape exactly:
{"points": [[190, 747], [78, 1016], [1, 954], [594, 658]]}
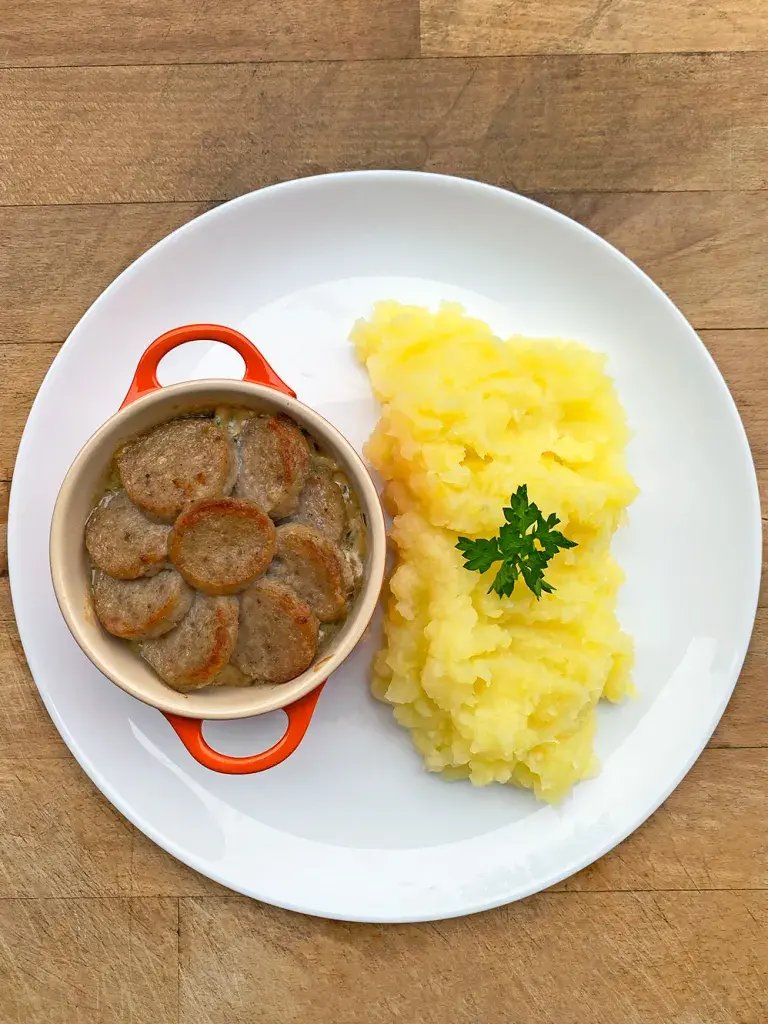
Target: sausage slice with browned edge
{"points": [[321, 504], [274, 457], [278, 633], [220, 545], [177, 463], [196, 651], [313, 567], [142, 608], [123, 542]]}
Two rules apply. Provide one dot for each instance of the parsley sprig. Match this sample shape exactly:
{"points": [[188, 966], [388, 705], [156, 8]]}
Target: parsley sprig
{"points": [[526, 544]]}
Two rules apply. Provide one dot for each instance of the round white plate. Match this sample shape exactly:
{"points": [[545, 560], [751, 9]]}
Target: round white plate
{"points": [[351, 826]]}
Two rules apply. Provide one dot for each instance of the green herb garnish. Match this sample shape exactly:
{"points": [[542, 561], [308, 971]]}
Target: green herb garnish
{"points": [[525, 546]]}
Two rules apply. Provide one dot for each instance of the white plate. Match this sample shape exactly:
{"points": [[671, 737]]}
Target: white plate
{"points": [[350, 826]]}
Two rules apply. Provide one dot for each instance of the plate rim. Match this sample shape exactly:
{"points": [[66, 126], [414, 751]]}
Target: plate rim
{"points": [[648, 807]]}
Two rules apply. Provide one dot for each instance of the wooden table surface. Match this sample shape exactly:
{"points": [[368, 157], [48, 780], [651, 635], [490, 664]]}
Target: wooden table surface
{"points": [[122, 119]]}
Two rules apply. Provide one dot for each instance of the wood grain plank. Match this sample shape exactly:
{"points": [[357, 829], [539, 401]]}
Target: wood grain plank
{"points": [[558, 958], [22, 368], [742, 358], [88, 961], [54, 261], [198, 133], [749, 137], [467, 28], [6, 607], [58, 835], [179, 133], [745, 722], [156, 873], [25, 728], [707, 835], [179, 31], [5, 494], [708, 251]]}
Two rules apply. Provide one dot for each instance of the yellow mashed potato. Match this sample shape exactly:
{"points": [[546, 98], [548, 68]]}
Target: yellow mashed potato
{"points": [[496, 689]]}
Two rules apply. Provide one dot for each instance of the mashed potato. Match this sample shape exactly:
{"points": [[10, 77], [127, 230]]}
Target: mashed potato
{"points": [[496, 689]]}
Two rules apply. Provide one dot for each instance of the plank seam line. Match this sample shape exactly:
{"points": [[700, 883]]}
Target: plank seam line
{"points": [[389, 59], [238, 896], [532, 193]]}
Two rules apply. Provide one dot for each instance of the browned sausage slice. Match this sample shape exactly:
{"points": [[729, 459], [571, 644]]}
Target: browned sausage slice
{"points": [[274, 457], [137, 609], [220, 545], [123, 542], [195, 652], [177, 463], [277, 640], [313, 567], [321, 504]]}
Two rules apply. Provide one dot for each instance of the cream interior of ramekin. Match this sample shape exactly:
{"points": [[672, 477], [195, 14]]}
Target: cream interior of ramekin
{"points": [[71, 572]]}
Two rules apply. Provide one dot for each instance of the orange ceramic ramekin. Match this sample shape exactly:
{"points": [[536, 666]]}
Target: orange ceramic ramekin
{"points": [[147, 404]]}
